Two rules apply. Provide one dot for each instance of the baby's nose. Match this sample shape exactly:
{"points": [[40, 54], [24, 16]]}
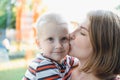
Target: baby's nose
{"points": [[58, 45]]}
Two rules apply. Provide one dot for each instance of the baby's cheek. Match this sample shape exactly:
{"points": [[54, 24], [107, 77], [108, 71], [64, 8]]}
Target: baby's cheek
{"points": [[67, 48]]}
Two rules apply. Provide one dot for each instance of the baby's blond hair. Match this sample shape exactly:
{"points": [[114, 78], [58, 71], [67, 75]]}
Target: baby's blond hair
{"points": [[54, 18]]}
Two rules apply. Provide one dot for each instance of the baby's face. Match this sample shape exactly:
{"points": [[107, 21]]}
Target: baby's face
{"points": [[54, 41]]}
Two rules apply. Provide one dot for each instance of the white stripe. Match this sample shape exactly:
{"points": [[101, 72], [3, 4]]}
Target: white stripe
{"points": [[47, 72], [29, 75]]}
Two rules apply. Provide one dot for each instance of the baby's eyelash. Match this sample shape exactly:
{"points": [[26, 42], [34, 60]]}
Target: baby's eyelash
{"points": [[50, 38], [64, 38]]}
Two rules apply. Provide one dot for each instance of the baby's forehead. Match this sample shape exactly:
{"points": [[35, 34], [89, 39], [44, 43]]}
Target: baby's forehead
{"points": [[54, 26], [51, 30]]}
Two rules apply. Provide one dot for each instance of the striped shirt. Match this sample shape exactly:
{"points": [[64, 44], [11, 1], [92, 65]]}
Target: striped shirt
{"points": [[43, 68]]}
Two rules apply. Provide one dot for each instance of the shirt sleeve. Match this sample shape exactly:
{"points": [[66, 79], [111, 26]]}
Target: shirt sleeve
{"points": [[30, 74], [72, 61]]}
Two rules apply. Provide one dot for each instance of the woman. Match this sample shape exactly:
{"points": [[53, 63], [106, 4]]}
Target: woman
{"points": [[96, 43]]}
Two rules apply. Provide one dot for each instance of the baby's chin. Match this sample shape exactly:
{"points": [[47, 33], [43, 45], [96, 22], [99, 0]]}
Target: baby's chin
{"points": [[58, 58], [71, 53]]}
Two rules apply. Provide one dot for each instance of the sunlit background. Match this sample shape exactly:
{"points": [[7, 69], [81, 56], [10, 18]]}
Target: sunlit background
{"points": [[75, 9], [17, 33]]}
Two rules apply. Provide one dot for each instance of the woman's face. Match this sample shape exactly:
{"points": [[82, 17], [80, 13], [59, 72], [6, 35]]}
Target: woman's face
{"points": [[80, 42]]}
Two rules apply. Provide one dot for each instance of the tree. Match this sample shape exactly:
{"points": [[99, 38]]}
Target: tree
{"points": [[4, 6]]}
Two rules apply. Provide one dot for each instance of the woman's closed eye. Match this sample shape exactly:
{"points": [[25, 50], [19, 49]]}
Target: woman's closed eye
{"points": [[83, 33]]}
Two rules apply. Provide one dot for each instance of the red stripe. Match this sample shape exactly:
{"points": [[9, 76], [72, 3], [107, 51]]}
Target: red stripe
{"points": [[62, 71], [25, 78], [32, 70], [66, 76], [46, 67], [38, 60], [72, 61], [53, 77]]}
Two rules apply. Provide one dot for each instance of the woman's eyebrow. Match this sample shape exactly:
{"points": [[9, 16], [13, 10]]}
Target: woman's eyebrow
{"points": [[84, 28]]}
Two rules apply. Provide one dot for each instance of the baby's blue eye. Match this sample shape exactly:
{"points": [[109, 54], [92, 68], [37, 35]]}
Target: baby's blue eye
{"points": [[50, 39], [64, 39]]}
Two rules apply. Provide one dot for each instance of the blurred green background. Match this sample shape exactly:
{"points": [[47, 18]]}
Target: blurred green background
{"points": [[12, 74], [13, 69]]}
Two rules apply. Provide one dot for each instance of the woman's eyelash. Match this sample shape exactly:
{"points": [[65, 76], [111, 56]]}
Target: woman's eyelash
{"points": [[82, 33]]}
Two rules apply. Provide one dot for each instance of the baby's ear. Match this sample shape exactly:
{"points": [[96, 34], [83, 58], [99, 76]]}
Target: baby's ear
{"points": [[37, 42]]}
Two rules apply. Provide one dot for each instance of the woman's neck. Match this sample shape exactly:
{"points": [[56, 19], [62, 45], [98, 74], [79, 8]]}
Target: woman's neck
{"points": [[77, 75], [88, 76], [82, 63]]}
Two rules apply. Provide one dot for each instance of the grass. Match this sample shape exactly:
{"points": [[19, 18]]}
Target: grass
{"points": [[13, 69], [12, 74]]}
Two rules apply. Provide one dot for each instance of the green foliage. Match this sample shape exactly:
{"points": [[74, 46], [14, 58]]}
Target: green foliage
{"points": [[3, 15], [3, 19], [13, 17], [4, 4]]}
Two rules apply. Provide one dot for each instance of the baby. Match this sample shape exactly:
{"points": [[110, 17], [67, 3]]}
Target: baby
{"points": [[52, 63]]}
